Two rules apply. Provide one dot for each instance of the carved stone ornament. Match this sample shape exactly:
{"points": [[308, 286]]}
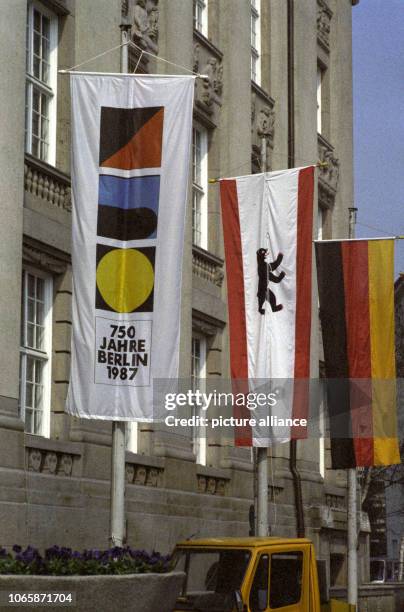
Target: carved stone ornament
{"points": [[196, 53], [129, 472], [265, 122], [152, 477], [143, 15], [125, 8], [324, 15], [211, 488], [201, 484], [141, 474], [253, 109], [66, 465], [51, 463], [43, 260], [213, 83], [34, 460], [329, 173], [221, 487]]}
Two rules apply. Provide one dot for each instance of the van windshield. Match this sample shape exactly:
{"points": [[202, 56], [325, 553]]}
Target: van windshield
{"points": [[212, 577]]}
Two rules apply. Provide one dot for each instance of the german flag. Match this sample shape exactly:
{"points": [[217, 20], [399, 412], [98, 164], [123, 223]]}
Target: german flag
{"points": [[356, 292]]}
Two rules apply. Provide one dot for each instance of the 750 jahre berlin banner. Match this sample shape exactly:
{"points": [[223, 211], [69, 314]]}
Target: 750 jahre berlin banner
{"points": [[131, 145]]}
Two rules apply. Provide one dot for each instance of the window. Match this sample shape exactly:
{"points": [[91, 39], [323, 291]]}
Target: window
{"points": [[259, 588], [198, 376], [41, 75], [200, 187], [256, 41], [35, 352], [201, 16], [320, 75], [286, 575]]}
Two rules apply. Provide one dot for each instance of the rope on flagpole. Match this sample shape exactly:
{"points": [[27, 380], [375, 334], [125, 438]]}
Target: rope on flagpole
{"points": [[212, 181], [142, 52], [162, 59], [91, 59], [138, 61]]}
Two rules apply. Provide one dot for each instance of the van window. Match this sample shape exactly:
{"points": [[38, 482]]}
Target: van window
{"points": [[259, 588], [286, 574]]}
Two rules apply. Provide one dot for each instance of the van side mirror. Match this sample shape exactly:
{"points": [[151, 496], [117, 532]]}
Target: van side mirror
{"points": [[238, 601], [322, 581]]}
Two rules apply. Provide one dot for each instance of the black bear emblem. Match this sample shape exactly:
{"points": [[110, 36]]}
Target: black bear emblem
{"points": [[264, 276]]}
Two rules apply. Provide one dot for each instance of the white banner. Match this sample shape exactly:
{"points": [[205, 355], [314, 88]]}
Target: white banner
{"points": [[131, 139]]}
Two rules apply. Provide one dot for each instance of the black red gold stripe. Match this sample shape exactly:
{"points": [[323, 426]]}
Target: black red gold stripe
{"points": [[356, 291]]}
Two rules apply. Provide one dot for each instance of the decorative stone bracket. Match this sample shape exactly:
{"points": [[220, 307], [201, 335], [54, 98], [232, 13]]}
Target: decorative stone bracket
{"points": [[262, 126], [139, 474], [207, 60], [211, 485], [53, 457], [49, 462], [324, 15], [328, 174], [335, 501]]}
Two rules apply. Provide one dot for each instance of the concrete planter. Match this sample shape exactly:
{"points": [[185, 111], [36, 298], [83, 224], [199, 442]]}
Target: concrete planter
{"points": [[133, 592]]}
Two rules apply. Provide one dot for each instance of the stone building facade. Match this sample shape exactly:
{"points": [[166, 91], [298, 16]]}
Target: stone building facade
{"points": [[271, 65]]}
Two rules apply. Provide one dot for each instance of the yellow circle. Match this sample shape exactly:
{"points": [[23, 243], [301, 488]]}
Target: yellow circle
{"points": [[125, 279]]}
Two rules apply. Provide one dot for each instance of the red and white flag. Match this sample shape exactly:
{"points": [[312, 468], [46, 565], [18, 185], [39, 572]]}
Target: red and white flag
{"points": [[268, 226]]}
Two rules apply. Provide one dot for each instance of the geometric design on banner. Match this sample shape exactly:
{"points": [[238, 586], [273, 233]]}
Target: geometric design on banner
{"points": [[131, 138], [128, 207], [125, 279]]}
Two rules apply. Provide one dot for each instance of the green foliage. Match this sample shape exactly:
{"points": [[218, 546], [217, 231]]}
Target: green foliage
{"points": [[61, 561]]}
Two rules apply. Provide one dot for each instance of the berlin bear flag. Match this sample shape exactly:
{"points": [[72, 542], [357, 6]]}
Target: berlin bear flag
{"points": [[131, 139], [268, 227]]}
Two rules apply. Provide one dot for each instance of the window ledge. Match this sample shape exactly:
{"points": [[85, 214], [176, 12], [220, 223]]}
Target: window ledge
{"points": [[57, 6], [213, 472], [201, 38], [146, 460], [207, 266], [214, 259], [50, 444], [262, 93]]}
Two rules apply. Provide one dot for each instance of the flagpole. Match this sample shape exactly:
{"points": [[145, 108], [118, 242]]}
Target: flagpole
{"points": [[262, 453], [117, 527], [352, 496]]}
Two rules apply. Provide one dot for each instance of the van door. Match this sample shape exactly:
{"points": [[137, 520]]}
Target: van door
{"points": [[289, 581], [280, 582]]}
